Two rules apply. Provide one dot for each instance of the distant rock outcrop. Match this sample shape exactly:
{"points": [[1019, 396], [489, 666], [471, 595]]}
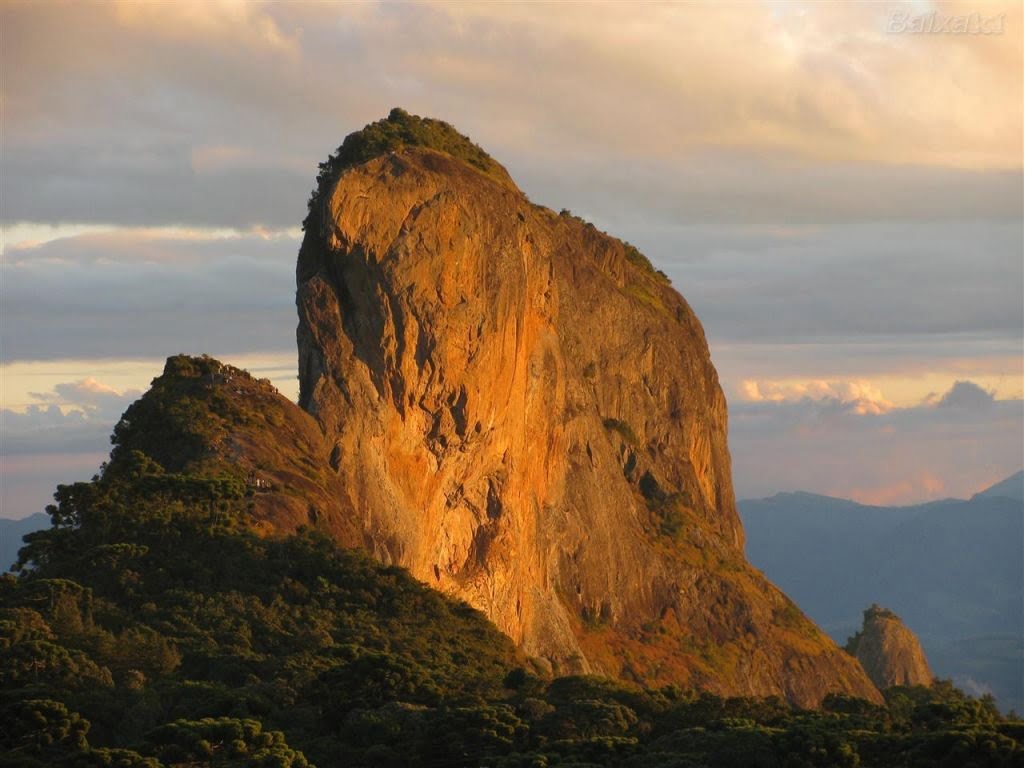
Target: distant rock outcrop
{"points": [[952, 568], [888, 651]]}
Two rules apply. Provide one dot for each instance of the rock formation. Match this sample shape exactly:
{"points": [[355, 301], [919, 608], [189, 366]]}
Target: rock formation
{"points": [[524, 413], [888, 651]]}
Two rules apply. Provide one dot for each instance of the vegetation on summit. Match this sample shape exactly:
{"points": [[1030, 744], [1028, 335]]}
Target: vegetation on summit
{"points": [[396, 132], [401, 130]]}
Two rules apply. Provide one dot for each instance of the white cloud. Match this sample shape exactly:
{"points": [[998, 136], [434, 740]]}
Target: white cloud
{"points": [[86, 396], [861, 396]]}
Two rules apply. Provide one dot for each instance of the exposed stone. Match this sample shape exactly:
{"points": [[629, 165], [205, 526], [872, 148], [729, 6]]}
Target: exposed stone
{"points": [[888, 651], [526, 416]]}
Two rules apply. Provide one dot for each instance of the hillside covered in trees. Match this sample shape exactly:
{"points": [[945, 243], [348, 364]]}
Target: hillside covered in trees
{"points": [[150, 625]]}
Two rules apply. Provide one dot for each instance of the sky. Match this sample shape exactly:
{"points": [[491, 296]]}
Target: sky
{"points": [[836, 188]]}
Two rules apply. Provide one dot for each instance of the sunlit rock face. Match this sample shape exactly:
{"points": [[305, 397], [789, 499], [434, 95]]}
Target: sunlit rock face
{"points": [[888, 651], [525, 415]]}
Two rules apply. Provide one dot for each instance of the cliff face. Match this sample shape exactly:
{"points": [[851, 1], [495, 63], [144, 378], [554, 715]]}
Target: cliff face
{"points": [[888, 651], [528, 418]]}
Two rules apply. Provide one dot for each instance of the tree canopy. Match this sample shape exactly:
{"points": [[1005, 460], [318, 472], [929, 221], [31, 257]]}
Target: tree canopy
{"points": [[149, 626]]}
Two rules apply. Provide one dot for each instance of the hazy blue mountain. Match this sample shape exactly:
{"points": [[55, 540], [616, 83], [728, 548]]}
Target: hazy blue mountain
{"points": [[1011, 488], [951, 569], [11, 532]]}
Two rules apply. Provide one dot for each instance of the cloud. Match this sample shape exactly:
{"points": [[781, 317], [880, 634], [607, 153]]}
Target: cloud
{"points": [[926, 485], [112, 114], [861, 396], [48, 429], [61, 438], [875, 279], [149, 293], [899, 455], [72, 417], [834, 207], [967, 395], [88, 397]]}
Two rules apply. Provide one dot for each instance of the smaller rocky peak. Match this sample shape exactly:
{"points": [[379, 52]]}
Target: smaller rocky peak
{"points": [[204, 420], [889, 651]]}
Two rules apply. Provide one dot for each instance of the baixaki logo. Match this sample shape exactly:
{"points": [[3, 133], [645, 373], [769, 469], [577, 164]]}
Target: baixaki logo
{"points": [[935, 23]]}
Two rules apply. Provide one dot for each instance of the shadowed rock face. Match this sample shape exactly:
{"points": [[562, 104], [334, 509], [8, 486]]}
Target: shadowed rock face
{"points": [[527, 417], [888, 651]]}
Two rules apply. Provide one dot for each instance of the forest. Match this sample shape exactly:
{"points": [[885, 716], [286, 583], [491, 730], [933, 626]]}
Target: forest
{"points": [[150, 626]]}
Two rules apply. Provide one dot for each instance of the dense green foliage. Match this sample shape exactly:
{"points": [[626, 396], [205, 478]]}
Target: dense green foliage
{"points": [[152, 621], [189, 410], [149, 627], [396, 132]]}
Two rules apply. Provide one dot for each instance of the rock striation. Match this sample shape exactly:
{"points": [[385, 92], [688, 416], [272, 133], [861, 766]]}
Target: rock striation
{"points": [[888, 651], [524, 413]]}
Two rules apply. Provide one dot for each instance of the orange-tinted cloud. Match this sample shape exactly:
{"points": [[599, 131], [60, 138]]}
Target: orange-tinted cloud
{"points": [[861, 396], [953, 445], [926, 485]]}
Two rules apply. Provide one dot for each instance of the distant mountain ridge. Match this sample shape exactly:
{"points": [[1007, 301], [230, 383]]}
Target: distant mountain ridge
{"points": [[1011, 488], [952, 569], [11, 532]]}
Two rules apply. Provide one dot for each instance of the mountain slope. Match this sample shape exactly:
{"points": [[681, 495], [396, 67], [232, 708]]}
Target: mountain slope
{"points": [[530, 417], [153, 628], [152, 620], [207, 418], [1012, 487], [947, 566]]}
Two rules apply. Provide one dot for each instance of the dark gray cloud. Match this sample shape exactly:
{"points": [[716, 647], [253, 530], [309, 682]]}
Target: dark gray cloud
{"points": [[890, 291], [152, 185], [876, 279], [738, 191], [968, 396], [142, 294]]}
